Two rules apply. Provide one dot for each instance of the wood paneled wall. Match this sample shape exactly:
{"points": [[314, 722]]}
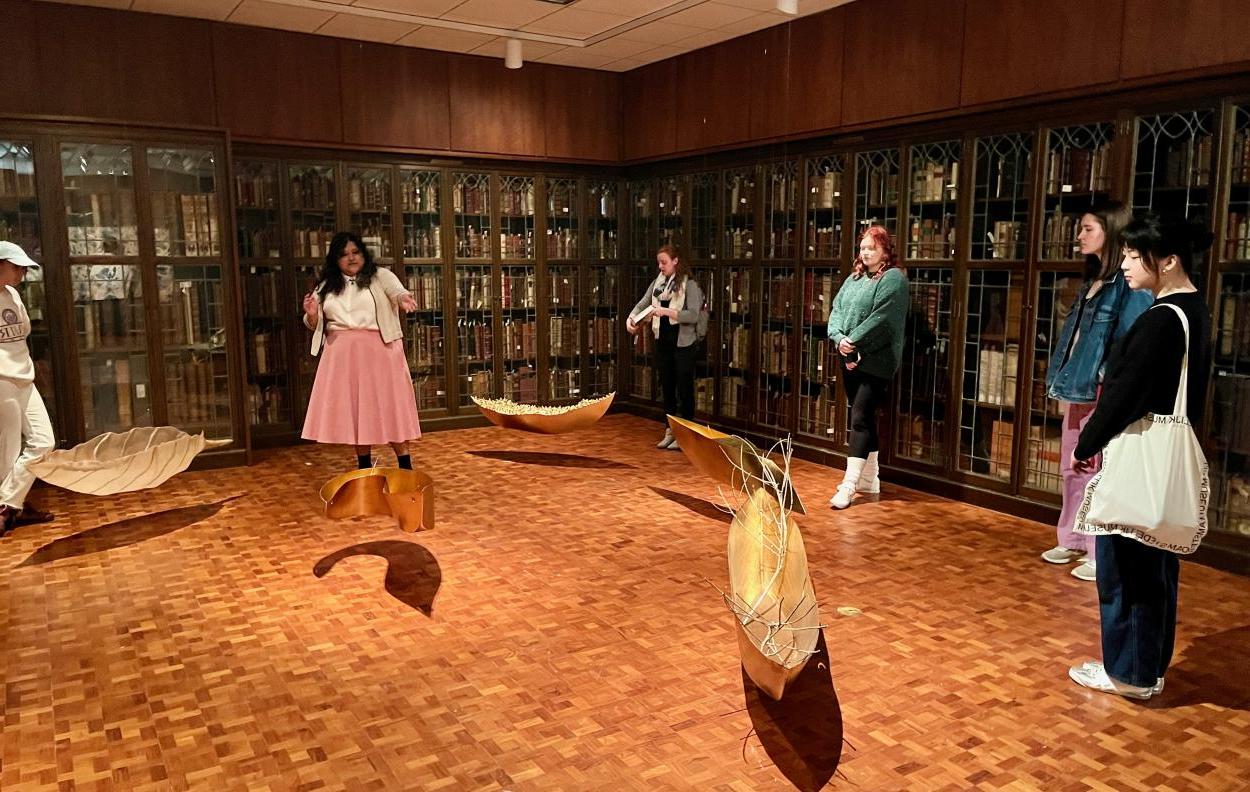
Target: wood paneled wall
{"points": [[870, 62], [885, 61], [271, 85]]}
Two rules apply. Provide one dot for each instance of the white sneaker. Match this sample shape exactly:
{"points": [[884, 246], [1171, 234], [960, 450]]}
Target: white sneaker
{"points": [[668, 439], [673, 445], [1061, 555], [1154, 691], [1088, 571], [1093, 676], [842, 498]]}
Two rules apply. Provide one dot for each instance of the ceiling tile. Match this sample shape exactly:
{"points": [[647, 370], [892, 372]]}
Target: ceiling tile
{"points": [[661, 32], [510, 14], [757, 22], [630, 8], [426, 8], [445, 39], [709, 15], [619, 48], [576, 22], [349, 26], [705, 39], [283, 17], [577, 56], [202, 9], [530, 50]]}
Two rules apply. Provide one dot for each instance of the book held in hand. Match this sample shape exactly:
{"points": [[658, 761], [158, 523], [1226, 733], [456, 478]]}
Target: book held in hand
{"points": [[643, 314]]}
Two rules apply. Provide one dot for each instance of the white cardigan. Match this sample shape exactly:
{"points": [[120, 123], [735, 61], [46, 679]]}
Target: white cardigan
{"points": [[386, 290]]}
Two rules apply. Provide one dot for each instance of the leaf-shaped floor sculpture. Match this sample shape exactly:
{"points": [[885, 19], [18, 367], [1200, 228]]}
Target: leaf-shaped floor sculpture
{"points": [[142, 458]]}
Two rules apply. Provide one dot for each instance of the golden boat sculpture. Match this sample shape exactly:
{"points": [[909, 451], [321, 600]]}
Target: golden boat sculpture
{"points": [[770, 593], [544, 420], [141, 458], [732, 461], [406, 495]]}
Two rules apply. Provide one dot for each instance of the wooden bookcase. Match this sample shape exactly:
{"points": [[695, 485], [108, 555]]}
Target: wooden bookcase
{"points": [[985, 220], [135, 312]]}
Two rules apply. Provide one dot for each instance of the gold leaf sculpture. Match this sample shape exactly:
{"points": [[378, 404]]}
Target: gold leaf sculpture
{"points": [[142, 458], [544, 420], [406, 495], [730, 460], [776, 617]]}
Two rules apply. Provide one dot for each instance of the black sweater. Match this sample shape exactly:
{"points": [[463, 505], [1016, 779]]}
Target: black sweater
{"points": [[1144, 367]]}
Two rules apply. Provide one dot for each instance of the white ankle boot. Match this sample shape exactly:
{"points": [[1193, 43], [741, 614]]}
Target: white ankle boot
{"points": [[668, 439], [869, 481], [846, 490]]}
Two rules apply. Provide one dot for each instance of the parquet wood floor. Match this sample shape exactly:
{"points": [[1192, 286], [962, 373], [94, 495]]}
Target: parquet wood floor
{"points": [[177, 640]]}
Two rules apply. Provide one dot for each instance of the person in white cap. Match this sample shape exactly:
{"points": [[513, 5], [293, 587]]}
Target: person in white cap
{"points": [[25, 429]]}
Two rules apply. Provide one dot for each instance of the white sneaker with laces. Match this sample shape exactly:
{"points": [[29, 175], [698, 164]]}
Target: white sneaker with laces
{"points": [[1154, 691], [1093, 676], [842, 497], [1087, 571], [1061, 555]]}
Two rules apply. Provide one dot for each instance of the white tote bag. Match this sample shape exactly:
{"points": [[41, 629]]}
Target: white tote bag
{"points": [[1154, 483]]}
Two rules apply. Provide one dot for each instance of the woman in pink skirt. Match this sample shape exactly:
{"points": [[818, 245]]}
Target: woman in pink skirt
{"points": [[362, 395]]}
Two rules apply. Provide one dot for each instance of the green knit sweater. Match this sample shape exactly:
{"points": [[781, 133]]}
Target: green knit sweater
{"points": [[872, 313]]}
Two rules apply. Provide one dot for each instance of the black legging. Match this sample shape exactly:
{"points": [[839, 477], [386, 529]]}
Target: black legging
{"points": [[676, 366], [864, 393]]}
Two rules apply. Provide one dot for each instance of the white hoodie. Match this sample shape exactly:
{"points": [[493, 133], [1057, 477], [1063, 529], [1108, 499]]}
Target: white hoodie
{"points": [[15, 360]]}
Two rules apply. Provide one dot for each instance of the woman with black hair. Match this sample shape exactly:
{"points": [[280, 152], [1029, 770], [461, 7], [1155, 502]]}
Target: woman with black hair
{"points": [[362, 395], [1137, 580]]}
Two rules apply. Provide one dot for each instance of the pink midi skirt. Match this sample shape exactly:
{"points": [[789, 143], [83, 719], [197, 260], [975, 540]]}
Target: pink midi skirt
{"points": [[363, 392]]}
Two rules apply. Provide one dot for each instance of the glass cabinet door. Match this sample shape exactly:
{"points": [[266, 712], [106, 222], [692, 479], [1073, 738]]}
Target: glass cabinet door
{"points": [[519, 298], [738, 243], [775, 383], [563, 217], [474, 332], [19, 223], [818, 364], [419, 207], [734, 331], [781, 210], [369, 207], [824, 208], [109, 315], [642, 234], [1000, 197], [704, 216], [471, 211], [1055, 297], [602, 221], [603, 325], [1077, 177], [932, 197], [670, 214], [516, 218], [876, 190], [191, 289], [988, 386], [921, 425], [427, 360], [1172, 167], [564, 349], [642, 375]]}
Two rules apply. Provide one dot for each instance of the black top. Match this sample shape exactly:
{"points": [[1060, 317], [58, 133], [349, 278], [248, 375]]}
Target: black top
{"points": [[1144, 367]]}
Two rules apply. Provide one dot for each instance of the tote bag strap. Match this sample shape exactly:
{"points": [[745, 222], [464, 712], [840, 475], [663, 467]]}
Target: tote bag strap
{"points": [[1181, 405]]}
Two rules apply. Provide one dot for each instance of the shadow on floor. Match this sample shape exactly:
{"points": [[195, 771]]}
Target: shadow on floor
{"points": [[124, 533], [1211, 670], [802, 733], [550, 459], [412, 572], [699, 506]]}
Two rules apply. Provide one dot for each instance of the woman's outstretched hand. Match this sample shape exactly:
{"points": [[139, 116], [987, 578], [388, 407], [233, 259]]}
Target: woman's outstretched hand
{"points": [[311, 308], [407, 303]]}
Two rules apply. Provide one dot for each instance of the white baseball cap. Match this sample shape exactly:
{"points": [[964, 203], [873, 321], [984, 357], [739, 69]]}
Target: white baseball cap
{"points": [[14, 253]]}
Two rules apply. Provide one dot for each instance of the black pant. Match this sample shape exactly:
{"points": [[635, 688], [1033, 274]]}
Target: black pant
{"points": [[1137, 602], [676, 366], [865, 394]]}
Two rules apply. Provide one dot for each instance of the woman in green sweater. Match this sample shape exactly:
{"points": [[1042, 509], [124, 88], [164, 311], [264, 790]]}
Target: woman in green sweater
{"points": [[866, 323]]}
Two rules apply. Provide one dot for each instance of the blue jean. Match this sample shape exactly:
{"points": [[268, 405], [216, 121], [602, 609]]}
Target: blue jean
{"points": [[1137, 587]]}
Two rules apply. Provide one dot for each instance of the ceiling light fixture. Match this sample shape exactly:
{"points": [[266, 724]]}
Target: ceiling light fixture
{"points": [[512, 54], [790, 7]]}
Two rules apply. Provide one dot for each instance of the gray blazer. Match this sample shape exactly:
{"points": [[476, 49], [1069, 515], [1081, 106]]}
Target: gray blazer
{"points": [[687, 314]]}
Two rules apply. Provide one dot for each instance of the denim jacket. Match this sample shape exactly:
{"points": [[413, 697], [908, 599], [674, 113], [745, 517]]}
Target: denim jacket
{"points": [[1075, 371]]}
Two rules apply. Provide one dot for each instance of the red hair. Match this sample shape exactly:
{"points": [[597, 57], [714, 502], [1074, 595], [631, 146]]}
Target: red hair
{"points": [[881, 238]]}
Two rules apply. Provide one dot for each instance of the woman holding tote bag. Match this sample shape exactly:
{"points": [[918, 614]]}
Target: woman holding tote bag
{"points": [[1148, 503]]}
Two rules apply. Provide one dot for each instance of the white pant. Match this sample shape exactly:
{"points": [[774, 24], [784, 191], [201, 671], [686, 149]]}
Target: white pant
{"points": [[25, 435]]}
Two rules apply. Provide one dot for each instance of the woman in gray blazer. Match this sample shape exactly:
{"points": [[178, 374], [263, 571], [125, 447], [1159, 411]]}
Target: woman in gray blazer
{"points": [[671, 306]]}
